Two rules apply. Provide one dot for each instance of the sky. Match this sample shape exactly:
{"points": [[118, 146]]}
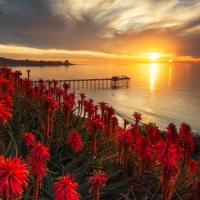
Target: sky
{"points": [[84, 31]]}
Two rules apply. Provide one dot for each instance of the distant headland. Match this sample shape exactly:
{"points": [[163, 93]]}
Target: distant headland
{"points": [[27, 62]]}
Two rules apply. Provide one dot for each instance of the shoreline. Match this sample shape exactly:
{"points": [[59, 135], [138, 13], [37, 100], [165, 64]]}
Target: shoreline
{"points": [[33, 65], [27, 62]]}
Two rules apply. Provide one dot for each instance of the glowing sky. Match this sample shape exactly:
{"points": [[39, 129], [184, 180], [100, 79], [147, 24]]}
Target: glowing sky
{"points": [[85, 30]]}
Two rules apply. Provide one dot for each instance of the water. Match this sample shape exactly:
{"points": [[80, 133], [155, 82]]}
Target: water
{"points": [[162, 93]]}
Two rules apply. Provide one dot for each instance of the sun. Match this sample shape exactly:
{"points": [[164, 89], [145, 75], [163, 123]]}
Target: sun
{"points": [[154, 56]]}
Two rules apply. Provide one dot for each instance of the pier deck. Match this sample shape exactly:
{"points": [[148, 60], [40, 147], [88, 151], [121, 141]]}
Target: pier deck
{"points": [[114, 82]]}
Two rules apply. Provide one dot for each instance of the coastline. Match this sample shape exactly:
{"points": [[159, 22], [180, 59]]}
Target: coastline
{"points": [[27, 62]]}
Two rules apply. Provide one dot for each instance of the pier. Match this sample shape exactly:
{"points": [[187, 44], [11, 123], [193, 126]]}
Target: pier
{"points": [[114, 82]]}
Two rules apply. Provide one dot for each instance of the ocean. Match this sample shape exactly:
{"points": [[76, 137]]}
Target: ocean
{"points": [[162, 93]]}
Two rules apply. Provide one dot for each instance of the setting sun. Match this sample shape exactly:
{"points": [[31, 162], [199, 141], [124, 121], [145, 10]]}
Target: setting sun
{"points": [[154, 56]]}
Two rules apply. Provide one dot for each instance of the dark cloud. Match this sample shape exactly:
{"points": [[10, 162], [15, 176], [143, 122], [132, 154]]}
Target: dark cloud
{"points": [[40, 24]]}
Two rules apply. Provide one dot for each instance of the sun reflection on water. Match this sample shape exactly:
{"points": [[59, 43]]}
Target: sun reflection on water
{"points": [[153, 69], [169, 77]]}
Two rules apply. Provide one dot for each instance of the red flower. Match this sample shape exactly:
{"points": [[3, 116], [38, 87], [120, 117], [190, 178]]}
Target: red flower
{"points": [[137, 116], [168, 155], [186, 136], [114, 121], [134, 130], [75, 141], [153, 133], [79, 102], [13, 176], [103, 105], [59, 92], [145, 150], [95, 123], [65, 188], [125, 137], [7, 100], [156, 136], [66, 86], [50, 103], [6, 72], [69, 98], [5, 112], [96, 108], [125, 123], [98, 179], [40, 152], [38, 167], [67, 106], [83, 96], [28, 138], [150, 131], [172, 133], [89, 107], [110, 111]]}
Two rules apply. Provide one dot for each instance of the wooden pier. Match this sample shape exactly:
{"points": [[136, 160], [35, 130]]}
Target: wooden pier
{"points": [[114, 82]]}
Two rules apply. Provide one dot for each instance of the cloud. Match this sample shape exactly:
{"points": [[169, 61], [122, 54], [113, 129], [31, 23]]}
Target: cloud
{"points": [[109, 26]]}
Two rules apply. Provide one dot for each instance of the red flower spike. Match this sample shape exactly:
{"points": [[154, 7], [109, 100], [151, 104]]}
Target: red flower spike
{"points": [[55, 82], [150, 130], [40, 152], [95, 123], [5, 112], [156, 136], [75, 141], [13, 177], [66, 86], [83, 96], [145, 151], [90, 109], [114, 121], [28, 138], [38, 167], [110, 111], [172, 133], [65, 188], [186, 136], [135, 132], [137, 116], [97, 180], [96, 108], [125, 137], [50, 103], [125, 123], [103, 105], [168, 155], [7, 100]]}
